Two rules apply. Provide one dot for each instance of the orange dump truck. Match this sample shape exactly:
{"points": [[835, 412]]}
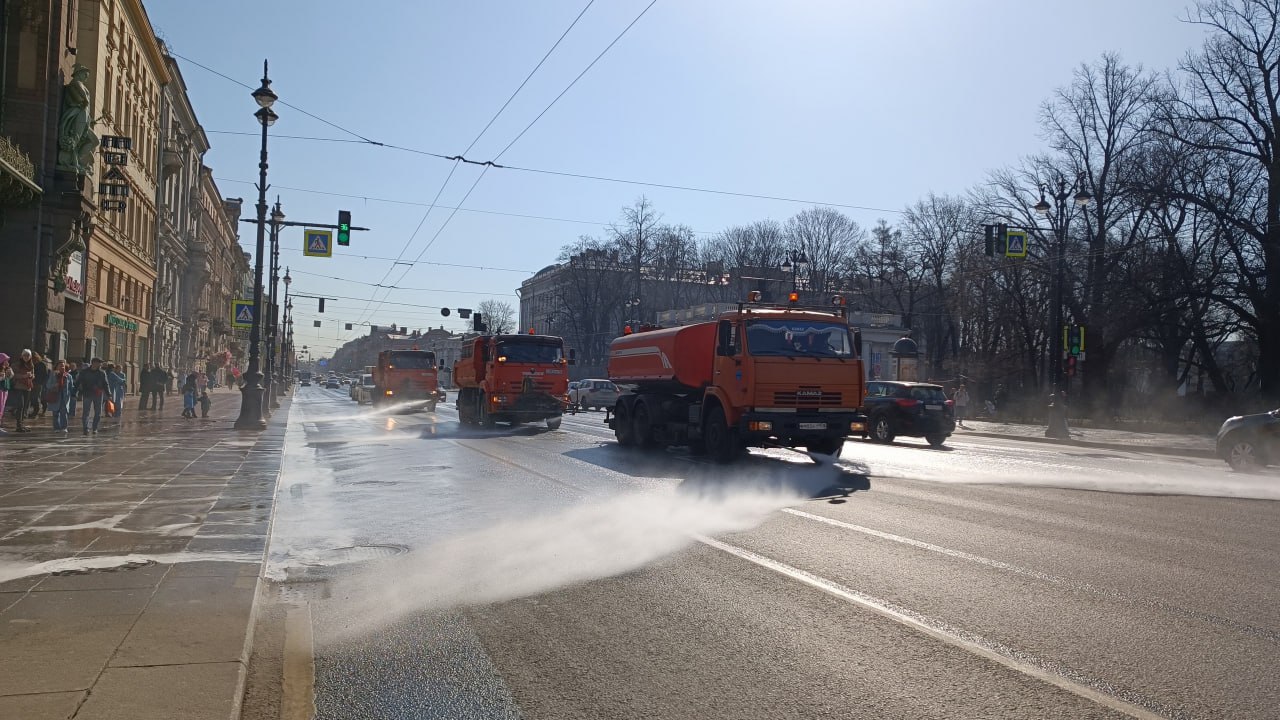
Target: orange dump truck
{"points": [[406, 376], [761, 375], [512, 378]]}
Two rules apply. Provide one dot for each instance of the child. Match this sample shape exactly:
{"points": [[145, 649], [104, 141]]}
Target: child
{"points": [[189, 397], [205, 402]]}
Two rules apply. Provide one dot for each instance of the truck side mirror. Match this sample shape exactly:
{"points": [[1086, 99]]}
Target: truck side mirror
{"points": [[857, 342], [573, 356], [724, 348], [442, 363]]}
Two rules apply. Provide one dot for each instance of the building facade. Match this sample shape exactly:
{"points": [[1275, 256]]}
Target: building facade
{"points": [[216, 273], [127, 73]]}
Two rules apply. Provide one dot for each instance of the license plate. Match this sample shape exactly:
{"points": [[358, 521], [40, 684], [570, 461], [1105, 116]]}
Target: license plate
{"points": [[932, 407], [813, 426]]}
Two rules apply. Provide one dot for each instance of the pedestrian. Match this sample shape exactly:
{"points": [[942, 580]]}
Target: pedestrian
{"points": [[166, 379], [24, 374], [76, 367], [6, 383], [58, 390], [117, 382], [92, 386], [38, 405], [145, 383], [961, 399], [205, 403], [189, 396], [202, 382]]}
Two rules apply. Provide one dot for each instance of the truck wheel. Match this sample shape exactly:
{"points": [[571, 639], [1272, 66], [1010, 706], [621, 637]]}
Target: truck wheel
{"points": [[720, 442], [622, 428], [642, 428], [553, 423], [830, 446], [936, 440]]}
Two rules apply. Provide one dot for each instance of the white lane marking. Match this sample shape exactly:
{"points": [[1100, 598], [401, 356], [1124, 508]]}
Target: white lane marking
{"points": [[1087, 587], [969, 642], [298, 701]]}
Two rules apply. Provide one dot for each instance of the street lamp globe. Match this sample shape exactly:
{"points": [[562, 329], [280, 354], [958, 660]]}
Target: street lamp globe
{"points": [[786, 266], [266, 116], [287, 280], [264, 95], [277, 215], [1083, 197], [802, 263], [1043, 206]]}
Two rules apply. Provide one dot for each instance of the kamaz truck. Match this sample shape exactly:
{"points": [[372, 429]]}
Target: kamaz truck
{"points": [[406, 376], [512, 378], [762, 375]]}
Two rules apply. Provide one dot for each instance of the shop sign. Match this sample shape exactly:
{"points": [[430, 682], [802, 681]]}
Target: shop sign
{"points": [[122, 322], [75, 277]]}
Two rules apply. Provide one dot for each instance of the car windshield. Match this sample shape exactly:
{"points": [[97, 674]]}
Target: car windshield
{"points": [[412, 360], [517, 351], [798, 338], [367, 381]]}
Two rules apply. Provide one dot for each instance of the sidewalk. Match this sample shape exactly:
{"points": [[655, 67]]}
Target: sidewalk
{"points": [[130, 562], [1198, 446]]}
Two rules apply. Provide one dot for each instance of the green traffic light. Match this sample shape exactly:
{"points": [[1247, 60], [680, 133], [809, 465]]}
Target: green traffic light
{"points": [[344, 227]]}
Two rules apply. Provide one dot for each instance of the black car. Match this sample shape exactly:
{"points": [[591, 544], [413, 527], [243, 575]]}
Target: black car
{"points": [[1250, 441], [912, 409]]}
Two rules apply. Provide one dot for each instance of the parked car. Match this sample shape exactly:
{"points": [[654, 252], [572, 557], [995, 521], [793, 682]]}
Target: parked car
{"points": [[365, 389], [911, 409], [595, 394], [1248, 442]]}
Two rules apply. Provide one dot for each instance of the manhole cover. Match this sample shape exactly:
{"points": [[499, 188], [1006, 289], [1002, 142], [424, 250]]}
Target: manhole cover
{"points": [[427, 468], [359, 553], [374, 482]]}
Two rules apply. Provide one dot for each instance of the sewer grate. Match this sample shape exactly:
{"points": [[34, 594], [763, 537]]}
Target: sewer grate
{"points": [[298, 592], [131, 565]]}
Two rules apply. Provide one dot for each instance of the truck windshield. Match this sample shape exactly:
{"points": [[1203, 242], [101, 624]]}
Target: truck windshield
{"points": [[412, 360], [798, 338], [529, 352]]}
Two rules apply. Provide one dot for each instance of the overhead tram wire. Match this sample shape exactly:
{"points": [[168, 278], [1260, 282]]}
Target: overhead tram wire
{"points": [[397, 287], [422, 262], [458, 159], [493, 163]]}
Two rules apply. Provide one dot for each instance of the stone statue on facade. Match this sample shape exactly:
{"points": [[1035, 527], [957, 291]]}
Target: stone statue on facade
{"points": [[76, 139]]}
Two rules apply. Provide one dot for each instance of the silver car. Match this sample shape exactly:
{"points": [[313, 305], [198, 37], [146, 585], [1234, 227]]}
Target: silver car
{"points": [[594, 394]]}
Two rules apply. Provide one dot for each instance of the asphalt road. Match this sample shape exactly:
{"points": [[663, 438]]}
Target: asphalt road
{"points": [[436, 571]]}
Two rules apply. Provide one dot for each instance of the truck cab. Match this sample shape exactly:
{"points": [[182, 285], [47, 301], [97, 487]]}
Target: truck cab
{"points": [[512, 378], [406, 376]]}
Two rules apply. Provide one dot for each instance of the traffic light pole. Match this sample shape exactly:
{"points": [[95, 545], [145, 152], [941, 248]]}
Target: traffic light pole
{"points": [[1058, 403], [291, 223]]}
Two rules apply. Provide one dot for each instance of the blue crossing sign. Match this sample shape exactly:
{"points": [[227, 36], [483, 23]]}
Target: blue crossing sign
{"points": [[1016, 247], [317, 243], [242, 314]]}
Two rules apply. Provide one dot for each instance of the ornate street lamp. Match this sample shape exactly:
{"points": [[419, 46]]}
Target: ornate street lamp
{"points": [[273, 363], [251, 393], [1057, 427], [794, 265]]}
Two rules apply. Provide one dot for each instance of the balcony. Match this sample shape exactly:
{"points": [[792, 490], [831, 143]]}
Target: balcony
{"points": [[172, 157], [18, 186]]}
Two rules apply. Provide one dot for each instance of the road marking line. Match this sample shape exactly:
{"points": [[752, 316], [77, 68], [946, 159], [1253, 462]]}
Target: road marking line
{"points": [[298, 701], [1090, 588], [969, 642]]}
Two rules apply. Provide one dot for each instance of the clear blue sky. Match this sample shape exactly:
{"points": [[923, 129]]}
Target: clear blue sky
{"points": [[846, 101]]}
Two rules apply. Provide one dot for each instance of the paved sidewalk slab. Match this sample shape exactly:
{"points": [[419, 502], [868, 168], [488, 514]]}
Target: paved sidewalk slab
{"points": [[130, 562]]}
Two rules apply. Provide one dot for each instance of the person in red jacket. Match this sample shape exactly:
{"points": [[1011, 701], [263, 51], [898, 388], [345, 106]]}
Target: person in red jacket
{"points": [[24, 377]]}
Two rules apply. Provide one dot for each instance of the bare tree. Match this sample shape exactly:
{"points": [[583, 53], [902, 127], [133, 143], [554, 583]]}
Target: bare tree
{"points": [[1229, 108], [828, 239], [498, 315]]}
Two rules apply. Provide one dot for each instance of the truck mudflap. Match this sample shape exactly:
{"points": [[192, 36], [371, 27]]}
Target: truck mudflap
{"points": [[800, 427]]}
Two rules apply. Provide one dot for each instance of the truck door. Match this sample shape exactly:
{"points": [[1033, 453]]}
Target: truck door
{"points": [[730, 372]]}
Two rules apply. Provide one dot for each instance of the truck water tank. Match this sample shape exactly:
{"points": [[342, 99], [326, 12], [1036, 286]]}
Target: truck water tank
{"points": [[681, 356]]}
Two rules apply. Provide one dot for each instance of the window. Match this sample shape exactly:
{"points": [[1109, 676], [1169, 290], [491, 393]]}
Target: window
{"points": [[523, 351], [798, 338]]}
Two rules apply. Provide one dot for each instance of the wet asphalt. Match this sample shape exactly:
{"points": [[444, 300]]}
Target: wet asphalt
{"points": [[454, 572]]}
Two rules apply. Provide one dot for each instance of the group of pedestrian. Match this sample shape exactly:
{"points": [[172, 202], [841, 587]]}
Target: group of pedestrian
{"points": [[31, 387]]}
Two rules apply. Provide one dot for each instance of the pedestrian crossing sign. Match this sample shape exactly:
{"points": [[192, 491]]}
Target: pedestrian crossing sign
{"points": [[317, 243], [1016, 246], [242, 314]]}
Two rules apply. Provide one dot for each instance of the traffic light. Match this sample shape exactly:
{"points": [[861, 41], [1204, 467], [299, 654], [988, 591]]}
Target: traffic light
{"points": [[997, 239], [991, 239], [344, 227], [1071, 366], [1075, 340], [321, 304], [477, 323]]}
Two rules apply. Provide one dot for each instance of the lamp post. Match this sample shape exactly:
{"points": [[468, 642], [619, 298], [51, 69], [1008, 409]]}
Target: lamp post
{"points": [[251, 399], [286, 349], [795, 264], [1059, 214], [273, 364]]}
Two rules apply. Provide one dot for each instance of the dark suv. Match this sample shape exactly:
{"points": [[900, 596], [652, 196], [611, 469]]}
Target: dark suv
{"points": [[908, 408]]}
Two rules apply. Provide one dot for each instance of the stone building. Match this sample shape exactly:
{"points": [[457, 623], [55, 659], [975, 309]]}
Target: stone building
{"points": [[216, 274], [182, 144], [46, 209], [126, 73]]}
